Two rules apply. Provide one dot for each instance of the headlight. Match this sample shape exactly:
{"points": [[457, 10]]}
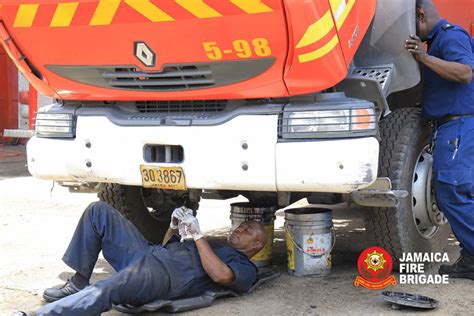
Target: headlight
{"points": [[329, 123], [55, 125], [319, 121]]}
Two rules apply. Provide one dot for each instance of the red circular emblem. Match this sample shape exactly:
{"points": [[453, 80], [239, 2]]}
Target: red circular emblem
{"points": [[375, 264]]}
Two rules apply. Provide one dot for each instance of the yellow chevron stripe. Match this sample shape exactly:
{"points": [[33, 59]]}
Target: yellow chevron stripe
{"points": [[341, 10], [252, 6], [64, 14], [105, 12], [337, 5], [26, 15], [199, 8], [317, 31], [149, 10], [326, 49]]}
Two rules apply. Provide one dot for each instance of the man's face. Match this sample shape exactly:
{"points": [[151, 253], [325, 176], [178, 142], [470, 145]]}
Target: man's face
{"points": [[421, 26], [246, 236]]}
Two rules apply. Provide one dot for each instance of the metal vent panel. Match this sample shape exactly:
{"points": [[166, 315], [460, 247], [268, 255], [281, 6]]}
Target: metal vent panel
{"points": [[178, 77], [382, 74], [171, 78], [188, 106]]}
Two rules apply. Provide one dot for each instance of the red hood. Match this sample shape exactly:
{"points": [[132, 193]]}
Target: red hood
{"points": [[174, 49]]}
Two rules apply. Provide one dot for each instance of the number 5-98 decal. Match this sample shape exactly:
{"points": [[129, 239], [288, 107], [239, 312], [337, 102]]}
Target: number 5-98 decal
{"points": [[258, 47]]}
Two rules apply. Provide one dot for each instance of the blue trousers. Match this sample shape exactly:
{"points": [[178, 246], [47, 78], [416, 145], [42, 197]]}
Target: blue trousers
{"points": [[454, 178], [140, 278]]}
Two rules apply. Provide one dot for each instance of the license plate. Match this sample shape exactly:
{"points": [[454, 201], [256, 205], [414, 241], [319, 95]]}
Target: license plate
{"points": [[168, 178]]}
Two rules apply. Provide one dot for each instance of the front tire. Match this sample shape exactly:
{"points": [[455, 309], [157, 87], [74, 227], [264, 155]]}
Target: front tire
{"points": [[416, 225]]}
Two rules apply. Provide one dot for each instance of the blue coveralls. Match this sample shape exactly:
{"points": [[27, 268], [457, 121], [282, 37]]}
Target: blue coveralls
{"points": [[453, 156], [145, 272]]}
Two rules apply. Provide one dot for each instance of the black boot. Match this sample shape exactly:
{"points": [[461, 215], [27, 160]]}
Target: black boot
{"points": [[462, 268], [55, 293]]}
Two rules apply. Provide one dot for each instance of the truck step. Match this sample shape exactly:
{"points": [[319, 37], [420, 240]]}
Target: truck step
{"points": [[18, 133], [382, 74]]}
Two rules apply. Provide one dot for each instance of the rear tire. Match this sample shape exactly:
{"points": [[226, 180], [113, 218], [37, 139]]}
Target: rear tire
{"points": [[415, 225], [149, 210]]}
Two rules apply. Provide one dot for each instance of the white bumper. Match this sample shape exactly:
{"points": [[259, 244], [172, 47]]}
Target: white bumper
{"points": [[214, 156]]}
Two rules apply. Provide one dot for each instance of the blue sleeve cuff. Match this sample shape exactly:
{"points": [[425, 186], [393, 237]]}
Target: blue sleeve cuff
{"points": [[245, 277]]}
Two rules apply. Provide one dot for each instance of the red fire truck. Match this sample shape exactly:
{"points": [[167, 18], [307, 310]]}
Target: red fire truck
{"points": [[160, 103]]}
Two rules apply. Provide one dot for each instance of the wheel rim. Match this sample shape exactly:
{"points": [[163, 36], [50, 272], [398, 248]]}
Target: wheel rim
{"points": [[426, 214]]}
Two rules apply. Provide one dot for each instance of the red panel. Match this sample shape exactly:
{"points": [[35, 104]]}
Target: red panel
{"points": [[355, 26], [16, 56], [32, 106], [323, 65], [178, 41], [8, 94], [319, 73], [460, 12]]}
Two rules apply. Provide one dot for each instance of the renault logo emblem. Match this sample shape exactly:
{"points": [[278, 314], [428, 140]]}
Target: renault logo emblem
{"points": [[144, 54]]}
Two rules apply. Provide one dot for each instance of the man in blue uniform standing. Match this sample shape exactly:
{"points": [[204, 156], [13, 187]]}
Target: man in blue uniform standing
{"points": [[448, 101], [147, 272]]}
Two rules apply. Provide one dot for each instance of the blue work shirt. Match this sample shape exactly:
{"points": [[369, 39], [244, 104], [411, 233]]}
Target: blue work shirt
{"points": [[187, 275], [442, 97]]}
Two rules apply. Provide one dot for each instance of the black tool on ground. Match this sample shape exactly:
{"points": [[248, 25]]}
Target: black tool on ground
{"points": [[400, 300], [186, 304]]}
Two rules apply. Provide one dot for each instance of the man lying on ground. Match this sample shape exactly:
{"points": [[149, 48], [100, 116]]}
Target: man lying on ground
{"points": [[147, 272]]}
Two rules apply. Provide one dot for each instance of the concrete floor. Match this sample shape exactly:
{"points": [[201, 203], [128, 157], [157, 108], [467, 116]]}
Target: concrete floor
{"points": [[37, 220]]}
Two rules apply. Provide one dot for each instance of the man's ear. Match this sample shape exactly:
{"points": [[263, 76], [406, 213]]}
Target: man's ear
{"points": [[257, 245], [422, 15]]}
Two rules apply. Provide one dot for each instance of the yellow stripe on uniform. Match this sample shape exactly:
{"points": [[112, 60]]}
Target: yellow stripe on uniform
{"points": [[149, 10], [252, 6], [199, 8], [64, 14], [105, 12], [26, 15], [317, 31], [341, 10], [323, 51]]}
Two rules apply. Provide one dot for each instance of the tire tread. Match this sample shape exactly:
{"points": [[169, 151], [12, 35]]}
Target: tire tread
{"points": [[396, 132]]}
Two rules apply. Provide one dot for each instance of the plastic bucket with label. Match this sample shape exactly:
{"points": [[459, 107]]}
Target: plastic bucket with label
{"points": [[310, 238], [243, 212]]}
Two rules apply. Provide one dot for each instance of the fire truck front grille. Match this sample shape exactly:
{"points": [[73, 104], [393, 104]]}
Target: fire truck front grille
{"points": [[181, 106], [171, 78], [175, 77]]}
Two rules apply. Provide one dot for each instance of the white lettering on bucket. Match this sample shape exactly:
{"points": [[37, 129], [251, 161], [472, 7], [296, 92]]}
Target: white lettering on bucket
{"points": [[317, 245]]}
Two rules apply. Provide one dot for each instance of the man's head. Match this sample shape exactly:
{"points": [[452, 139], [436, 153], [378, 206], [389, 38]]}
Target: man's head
{"points": [[249, 238], [426, 18]]}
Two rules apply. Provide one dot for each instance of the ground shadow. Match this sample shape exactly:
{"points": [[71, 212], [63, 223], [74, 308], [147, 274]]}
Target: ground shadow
{"points": [[13, 162]]}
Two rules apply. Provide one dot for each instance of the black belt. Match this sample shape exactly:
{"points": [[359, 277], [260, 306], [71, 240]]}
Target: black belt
{"points": [[445, 119]]}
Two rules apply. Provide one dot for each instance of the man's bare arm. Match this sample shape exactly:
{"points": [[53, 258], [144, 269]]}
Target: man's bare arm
{"points": [[217, 270], [169, 233], [449, 70]]}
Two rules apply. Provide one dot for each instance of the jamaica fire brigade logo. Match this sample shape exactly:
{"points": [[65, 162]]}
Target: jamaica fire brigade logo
{"points": [[375, 267]]}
